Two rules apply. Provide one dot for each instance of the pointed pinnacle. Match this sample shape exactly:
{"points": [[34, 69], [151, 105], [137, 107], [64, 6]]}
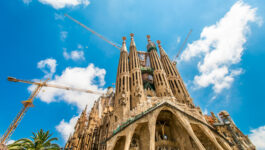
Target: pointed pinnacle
{"points": [[132, 40], [162, 51], [123, 48], [158, 42], [148, 38]]}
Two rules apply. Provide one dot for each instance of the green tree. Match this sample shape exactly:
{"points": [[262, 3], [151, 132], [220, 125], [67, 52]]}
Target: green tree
{"points": [[40, 141]]}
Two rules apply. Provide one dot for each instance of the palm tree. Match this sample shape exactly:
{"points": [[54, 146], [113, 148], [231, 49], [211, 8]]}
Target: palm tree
{"points": [[40, 141]]}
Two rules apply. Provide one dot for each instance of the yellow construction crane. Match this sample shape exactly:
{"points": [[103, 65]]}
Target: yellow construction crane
{"points": [[29, 103], [94, 32], [182, 46]]}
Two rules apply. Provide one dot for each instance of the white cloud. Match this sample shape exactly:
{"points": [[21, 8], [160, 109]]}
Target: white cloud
{"points": [[74, 55], [205, 112], [10, 142], [27, 1], [58, 16], [221, 46], [63, 35], [67, 128], [79, 46], [49, 64], [178, 39], [257, 136], [90, 78], [59, 4]]}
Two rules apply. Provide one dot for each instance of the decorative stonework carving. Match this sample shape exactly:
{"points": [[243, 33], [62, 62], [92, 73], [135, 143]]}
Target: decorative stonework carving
{"points": [[138, 92], [122, 100]]}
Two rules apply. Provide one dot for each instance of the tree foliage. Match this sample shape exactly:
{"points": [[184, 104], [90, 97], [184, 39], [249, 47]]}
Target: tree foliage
{"points": [[39, 141]]}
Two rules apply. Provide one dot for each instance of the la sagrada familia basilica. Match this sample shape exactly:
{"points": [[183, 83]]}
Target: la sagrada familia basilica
{"points": [[151, 109]]}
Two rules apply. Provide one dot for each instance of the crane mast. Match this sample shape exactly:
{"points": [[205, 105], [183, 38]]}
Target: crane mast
{"points": [[29, 103], [94, 32], [182, 46]]}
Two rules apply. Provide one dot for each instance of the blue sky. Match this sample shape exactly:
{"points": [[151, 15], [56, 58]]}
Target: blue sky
{"points": [[222, 64]]}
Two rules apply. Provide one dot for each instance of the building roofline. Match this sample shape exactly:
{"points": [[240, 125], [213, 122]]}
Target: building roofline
{"points": [[158, 105]]}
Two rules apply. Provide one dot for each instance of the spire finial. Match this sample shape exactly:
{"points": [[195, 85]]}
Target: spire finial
{"points": [[132, 40], [162, 51], [148, 38], [123, 38], [158, 42], [123, 48]]}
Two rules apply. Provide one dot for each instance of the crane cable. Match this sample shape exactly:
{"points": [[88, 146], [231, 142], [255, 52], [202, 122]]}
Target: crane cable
{"points": [[182, 46], [94, 32]]}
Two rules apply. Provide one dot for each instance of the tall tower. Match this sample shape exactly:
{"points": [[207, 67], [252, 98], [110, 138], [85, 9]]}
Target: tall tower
{"points": [[80, 127], [172, 76], [162, 87], [137, 91], [122, 94], [155, 123], [175, 81]]}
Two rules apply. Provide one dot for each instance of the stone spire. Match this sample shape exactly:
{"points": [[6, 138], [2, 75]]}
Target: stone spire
{"points": [[122, 94], [137, 91], [176, 83], [124, 48], [75, 141], [160, 80]]}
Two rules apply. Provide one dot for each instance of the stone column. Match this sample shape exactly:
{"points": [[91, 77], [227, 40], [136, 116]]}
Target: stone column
{"points": [[152, 129], [185, 124], [210, 135]]}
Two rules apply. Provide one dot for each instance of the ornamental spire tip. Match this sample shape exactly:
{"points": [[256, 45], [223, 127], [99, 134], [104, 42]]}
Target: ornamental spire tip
{"points": [[148, 38], [124, 38], [158, 42]]}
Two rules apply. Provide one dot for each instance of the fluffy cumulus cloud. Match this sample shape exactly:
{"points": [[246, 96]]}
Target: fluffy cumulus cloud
{"points": [[89, 78], [257, 136], [48, 66], [221, 47], [75, 55], [59, 4], [67, 128]]}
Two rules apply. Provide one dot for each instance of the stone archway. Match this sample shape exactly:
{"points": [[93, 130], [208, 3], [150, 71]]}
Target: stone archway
{"points": [[205, 140], [120, 144], [170, 134], [141, 138]]}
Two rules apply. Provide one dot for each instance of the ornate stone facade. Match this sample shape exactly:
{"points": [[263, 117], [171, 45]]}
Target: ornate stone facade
{"points": [[151, 109]]}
